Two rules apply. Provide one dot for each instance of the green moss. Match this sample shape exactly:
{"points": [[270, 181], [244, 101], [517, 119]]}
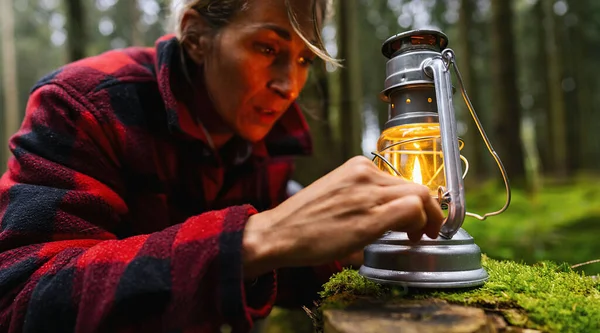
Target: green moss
{"points": [[346, 282], [545, 296]]}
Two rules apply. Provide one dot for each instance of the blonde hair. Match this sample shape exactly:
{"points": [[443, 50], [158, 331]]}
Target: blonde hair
{"points": [[218, 14]]}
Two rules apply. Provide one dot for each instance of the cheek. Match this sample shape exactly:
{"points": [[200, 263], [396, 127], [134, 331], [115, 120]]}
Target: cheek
{"points": [[303, 78], [232, 81], [254, 77], [249, 82]]}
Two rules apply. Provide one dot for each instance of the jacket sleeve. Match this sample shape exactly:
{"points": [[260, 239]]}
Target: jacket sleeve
{"points": [[62, 269]]}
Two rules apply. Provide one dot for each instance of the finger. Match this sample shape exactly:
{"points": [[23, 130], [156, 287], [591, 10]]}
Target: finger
{"points": [[415, 236], [365, 196], [435, 217], [432, 230], [433, 211], [384, 178], [403, 214], [392, 192], [362, 170]]}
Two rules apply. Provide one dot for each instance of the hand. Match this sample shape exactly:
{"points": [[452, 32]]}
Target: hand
{"points": [[336, 216]]}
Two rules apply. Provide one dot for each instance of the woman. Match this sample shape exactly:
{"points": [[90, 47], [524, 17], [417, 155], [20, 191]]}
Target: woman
{"points": [[147, 188]]}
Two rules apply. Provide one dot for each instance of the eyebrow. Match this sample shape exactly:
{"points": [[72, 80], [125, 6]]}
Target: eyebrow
{"points": [[280, 31]]}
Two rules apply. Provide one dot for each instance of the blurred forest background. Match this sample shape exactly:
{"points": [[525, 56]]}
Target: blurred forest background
{"points": [[530, 68]]}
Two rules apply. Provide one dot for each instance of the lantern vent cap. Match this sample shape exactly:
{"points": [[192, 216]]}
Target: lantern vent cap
{"points": [[414, 40]]}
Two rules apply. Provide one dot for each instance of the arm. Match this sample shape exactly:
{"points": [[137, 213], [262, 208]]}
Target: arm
{"points": [[299, 286], [63, 269]]}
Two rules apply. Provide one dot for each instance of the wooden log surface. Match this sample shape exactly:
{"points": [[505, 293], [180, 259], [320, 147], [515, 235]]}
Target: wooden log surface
{"points": [[413, 316]]}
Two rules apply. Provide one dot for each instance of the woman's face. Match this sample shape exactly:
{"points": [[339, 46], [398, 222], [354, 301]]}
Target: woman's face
{"points": [[257, 65]]}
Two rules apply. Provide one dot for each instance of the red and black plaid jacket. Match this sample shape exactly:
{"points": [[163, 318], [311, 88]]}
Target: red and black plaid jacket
{"points": [[116, 216]]}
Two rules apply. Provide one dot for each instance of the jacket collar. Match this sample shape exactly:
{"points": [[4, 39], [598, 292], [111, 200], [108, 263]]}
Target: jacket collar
{"points": [[289, 136]]}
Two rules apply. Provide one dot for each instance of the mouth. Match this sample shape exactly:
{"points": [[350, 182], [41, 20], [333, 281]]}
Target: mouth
{"points": [[266, 115], [268, 112], [265, 110]]}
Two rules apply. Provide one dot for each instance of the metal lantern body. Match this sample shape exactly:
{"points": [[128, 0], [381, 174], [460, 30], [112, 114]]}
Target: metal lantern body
{"points": [[420, 143]]}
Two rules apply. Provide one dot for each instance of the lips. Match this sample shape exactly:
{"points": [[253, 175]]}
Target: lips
{"points": [[266, 115], [267, 110]]}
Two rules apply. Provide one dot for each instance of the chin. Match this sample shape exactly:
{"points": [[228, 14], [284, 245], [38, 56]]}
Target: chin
{"points": [[254, 136]]}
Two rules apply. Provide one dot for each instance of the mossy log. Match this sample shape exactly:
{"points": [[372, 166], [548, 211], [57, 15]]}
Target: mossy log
{"points": [[517, 298]]}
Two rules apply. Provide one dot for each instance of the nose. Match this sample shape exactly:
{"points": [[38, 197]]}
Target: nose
{"points": [[285, 83]]}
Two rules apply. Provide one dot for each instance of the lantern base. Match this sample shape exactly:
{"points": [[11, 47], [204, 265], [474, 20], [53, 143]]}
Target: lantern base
{"points": [[430, 263]]}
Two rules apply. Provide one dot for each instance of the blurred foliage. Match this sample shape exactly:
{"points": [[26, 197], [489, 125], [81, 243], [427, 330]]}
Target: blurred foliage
{"points": [[559, 223]]}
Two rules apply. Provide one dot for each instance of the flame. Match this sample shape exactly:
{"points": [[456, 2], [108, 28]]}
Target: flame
{"points": [[416, 174]]}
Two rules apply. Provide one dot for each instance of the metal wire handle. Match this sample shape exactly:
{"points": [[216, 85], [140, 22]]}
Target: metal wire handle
{"points": [[449, 56]]}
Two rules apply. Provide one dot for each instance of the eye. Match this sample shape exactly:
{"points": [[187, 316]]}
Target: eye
{"points": [[265, 49], [304, 61]]}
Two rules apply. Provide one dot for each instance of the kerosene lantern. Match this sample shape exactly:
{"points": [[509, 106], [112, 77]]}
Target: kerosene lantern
{"points": [[420, 143]]}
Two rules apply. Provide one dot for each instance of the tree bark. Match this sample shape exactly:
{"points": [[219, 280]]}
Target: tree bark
{"points": [[475, 150], [351, 90], [134, 14], [76, 42], [326, 154], [566, 44], [555, 94], [507, 113], [11, 117], [541, 107], [588, 149]]}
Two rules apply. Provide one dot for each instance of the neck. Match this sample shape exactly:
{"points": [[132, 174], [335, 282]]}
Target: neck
{"points": [[216, 129], [219, 139]]}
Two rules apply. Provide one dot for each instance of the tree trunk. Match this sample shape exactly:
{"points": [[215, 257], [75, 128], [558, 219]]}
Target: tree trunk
{"points": [[507, 114], [76, 41], [11, 117], [326, 155], [372, 34], [541, 107], [566, 46], [351, 90], [555, 94], [134, 14], [588, 149], [475, 150]]}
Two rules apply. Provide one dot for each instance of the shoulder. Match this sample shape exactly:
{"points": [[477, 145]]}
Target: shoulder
{"points": [[117, 83], [96, 80], [94, 73]]}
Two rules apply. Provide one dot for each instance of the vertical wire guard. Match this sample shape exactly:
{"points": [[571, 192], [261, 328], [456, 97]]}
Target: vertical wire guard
{"points": [[449, 139]]}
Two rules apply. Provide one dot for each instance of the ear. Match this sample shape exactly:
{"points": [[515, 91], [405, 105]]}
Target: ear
{"points": [[195, 37]]}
